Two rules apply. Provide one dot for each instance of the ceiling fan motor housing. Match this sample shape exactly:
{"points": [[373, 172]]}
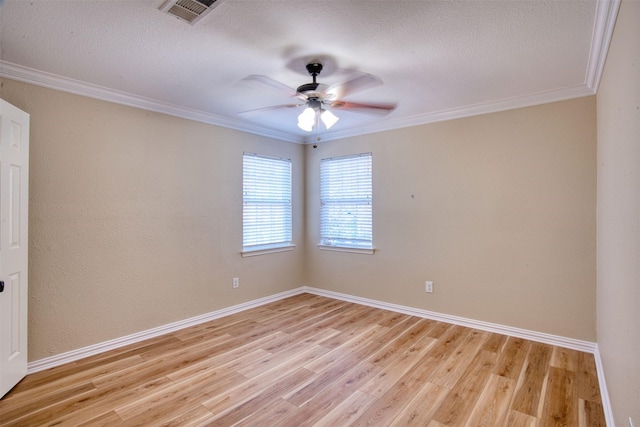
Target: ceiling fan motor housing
{"points": [[307, 87]]}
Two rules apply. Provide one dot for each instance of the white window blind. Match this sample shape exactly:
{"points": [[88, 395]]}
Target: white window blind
{"points": [[346, 198], [266, 213]]}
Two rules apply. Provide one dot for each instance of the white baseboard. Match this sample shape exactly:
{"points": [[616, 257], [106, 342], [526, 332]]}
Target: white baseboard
{"points": [[556, 340], [71, 356], [60, 359], [585, 346]]}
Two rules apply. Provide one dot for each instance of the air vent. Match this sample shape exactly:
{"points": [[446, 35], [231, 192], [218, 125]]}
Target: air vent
{"points": [[190, 11]]}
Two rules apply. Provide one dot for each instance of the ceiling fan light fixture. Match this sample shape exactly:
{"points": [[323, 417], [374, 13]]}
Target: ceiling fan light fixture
{"points": [[307, 119], [328, 118]]}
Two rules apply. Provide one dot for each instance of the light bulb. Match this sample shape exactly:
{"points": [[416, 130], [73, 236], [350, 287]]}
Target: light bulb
{"points": [[307, 119], [328, 118]]}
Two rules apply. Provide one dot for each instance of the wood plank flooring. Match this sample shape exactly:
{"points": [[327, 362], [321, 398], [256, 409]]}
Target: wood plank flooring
{"points": [[309, 360]]}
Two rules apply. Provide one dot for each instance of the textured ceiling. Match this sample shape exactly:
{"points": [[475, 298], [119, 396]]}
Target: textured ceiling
{"points": [[437, 59]]}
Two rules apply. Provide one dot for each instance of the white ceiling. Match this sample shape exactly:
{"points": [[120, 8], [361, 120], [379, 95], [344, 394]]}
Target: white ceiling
{"points": [[437, 59]]}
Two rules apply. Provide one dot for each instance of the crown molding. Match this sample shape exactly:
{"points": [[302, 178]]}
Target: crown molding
{"points": [[604, 23], [606, 14], [64, 84], [466, 111]]}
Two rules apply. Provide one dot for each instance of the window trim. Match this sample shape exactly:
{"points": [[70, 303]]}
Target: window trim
{"points": [[268, 248], [349, 249], [343, 247]]}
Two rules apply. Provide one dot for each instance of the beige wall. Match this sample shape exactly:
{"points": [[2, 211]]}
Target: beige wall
{"points": [[136, 220], [498, 210], [619, 216]]}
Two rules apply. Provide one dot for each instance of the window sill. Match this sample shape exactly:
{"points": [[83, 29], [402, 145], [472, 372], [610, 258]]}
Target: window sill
{"points": [[265, 251], [347, 249]]}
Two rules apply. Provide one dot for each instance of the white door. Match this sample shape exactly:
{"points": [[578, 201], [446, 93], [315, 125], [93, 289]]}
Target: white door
{"points": [[14, 204]]}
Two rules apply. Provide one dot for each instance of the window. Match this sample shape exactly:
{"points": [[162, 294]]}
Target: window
{"points": [[346, 203], [266, 199]]}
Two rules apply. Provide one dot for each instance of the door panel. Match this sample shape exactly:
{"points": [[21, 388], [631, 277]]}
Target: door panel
{"points": [[14, 198]]}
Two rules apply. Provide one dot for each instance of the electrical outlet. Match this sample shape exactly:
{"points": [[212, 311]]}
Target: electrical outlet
{"points": [[236, 283], [428, 287]]}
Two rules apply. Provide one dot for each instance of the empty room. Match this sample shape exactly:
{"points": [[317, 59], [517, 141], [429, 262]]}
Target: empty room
{"points": [[328, 213]]}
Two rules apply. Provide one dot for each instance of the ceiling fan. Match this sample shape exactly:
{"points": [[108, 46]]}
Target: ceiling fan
{"points": [[320, 98]]}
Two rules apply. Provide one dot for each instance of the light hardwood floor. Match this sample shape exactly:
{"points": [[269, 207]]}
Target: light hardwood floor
{"points": [[310, 360]]}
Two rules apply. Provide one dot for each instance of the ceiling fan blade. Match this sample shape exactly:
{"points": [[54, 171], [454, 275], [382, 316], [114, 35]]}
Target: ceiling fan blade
{"points": [[268, 81], [379, 109], [365, 81], [270, 108]]}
